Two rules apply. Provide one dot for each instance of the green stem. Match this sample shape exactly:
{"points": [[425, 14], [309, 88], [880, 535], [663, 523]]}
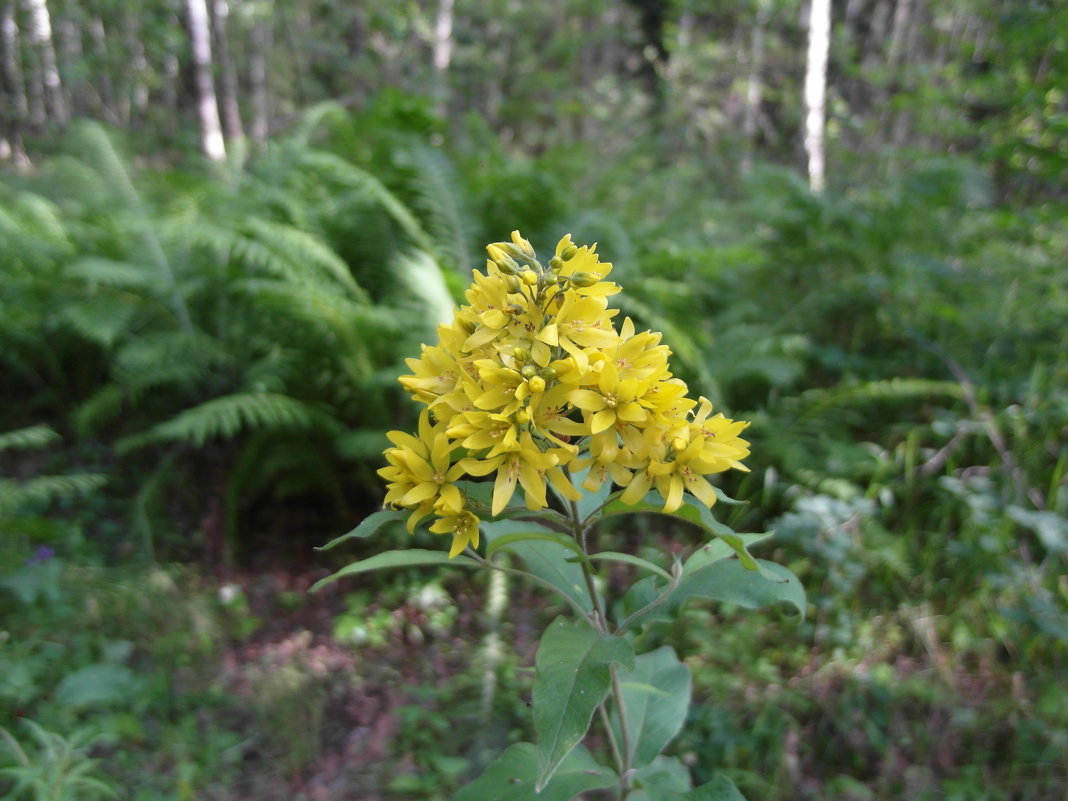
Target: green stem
{"points": [[621, 751]]}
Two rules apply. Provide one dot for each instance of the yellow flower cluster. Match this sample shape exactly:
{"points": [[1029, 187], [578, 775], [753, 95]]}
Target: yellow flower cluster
{"points": [[532, 377]]}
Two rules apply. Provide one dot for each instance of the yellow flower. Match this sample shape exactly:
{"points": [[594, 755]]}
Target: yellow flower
{"points": [[614, 401], [464, 529], [531, 377]]}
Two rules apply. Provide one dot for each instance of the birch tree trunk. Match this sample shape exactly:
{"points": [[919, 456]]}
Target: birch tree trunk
{"points": [[261, 47], [40, 30], [104, 86], [13, 106], [70, 49], [231, 110], [819, 42], [211, 135], [442, 54], [138, 95], [754, 91]]}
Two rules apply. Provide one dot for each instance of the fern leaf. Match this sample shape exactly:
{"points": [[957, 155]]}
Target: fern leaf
{"points": [[47, 489], [439, 196], [300, 247], [108, 272], [101, 319], [348, 174], [227, 416], [30, 438]]}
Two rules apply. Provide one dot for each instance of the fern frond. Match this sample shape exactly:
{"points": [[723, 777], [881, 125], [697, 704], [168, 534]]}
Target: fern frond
{"points": [[109, 272], [300, 247], [46, 489], [100, 319], [340, 171], [103, 406], [439, 195], [227, 416], [29, 438], [168, 357]]}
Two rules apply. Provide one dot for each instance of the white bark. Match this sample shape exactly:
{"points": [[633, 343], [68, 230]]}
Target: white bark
{"points": [[443, 52], [754, 92], [13, 106], [40, 31], [211, 135], [261, 46], [819, 43]]}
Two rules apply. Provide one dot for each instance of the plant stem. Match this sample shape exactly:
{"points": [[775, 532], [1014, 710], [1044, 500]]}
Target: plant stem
{"points": [[621, 751]]}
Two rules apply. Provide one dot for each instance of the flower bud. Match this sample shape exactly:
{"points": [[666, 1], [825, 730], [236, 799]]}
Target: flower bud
{"points": [[536, 384], [507, 265], [530, 278], [569, 253], [513, 283], [679, 444], [522, 244], [555, 264], [521, 355], [585, 279], [547, 373], [528, 371], [513, 250], [522, 416]]}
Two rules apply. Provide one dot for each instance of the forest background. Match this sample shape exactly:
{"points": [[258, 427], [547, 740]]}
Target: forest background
{"points": [[224, 224]]}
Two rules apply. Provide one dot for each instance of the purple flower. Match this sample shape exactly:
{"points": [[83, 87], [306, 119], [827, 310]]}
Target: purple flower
{"points": [[42, 554]]}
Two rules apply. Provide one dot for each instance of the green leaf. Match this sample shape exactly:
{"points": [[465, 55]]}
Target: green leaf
{"points": [[729, 581], [413, 557], [572, 677], [721, 580], [630, 559], [656, 695], [719, 549], [691, 511], [507, 540], [719, 789], [665, 786], [513, 777], [371, 524], [662, 775], [546, 560], [103, 684]]}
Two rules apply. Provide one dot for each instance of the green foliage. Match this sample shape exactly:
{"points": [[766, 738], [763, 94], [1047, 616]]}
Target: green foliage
{"points": [[55, 768]]}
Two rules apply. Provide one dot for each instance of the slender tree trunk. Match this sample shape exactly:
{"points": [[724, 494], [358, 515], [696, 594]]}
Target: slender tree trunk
{"points": [[172, 69], [261, 48], [442, 54], [819, 42], [211, 135], [754, 92], [40, 30], [229, 91], [68, 28], [137, 95], [13, 107], [104, 86]]}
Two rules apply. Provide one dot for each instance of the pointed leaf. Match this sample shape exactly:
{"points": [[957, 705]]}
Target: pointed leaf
{"points": [[546, 560], [656, 695], [691, 511], [368, 526], [571, 679], [413, 557], [513, 775], [729, 581], [630, 559]]}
